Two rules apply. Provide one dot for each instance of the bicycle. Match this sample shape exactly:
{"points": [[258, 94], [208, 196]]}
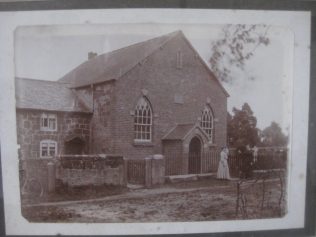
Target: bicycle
{"points": [[32, 187]]}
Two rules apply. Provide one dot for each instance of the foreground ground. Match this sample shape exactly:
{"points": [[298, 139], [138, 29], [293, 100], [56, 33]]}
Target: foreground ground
{"points": [[202, 200]]}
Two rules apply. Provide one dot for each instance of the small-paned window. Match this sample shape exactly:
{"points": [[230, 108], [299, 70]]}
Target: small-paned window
{"points": [[49, 122], [143, 121], [207, 122], [48, 148]]}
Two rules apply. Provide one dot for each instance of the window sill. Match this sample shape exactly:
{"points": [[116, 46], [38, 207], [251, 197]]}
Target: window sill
{"points": [[47, 130], [142, 143], [46, 157], [212, 145]]}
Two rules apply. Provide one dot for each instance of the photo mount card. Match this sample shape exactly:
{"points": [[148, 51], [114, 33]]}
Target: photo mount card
{"points": [[177, 121]]}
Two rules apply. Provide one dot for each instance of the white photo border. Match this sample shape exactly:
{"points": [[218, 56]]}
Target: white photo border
{"points": [[297, 21]]}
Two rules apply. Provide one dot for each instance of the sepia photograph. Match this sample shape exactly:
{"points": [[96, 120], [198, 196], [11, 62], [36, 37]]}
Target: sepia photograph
{"points": [[150, 123], [158, 123]]}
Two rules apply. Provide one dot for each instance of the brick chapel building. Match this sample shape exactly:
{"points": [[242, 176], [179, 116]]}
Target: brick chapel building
{"points": [[153, 97]]}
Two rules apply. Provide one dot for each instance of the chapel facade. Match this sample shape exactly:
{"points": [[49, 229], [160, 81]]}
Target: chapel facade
{"points": [[154, 97]]}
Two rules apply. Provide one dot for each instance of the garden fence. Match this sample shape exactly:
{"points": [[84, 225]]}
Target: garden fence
{"points": [[207, 162], [135, 171]]}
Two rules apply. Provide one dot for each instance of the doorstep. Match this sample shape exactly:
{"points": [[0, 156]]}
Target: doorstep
{"points": [[187, 177], [134, 186]]}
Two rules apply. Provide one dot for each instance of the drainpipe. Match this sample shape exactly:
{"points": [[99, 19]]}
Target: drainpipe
{"points": [[91, 121]]}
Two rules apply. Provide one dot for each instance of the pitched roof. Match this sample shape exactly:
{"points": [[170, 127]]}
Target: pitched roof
{"points": [[47, 95], [178, 132], [114, 64], [181, 131]]}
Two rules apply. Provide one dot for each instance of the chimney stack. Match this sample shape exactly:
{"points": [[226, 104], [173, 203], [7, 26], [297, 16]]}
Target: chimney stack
{"points": [[92, 55]]}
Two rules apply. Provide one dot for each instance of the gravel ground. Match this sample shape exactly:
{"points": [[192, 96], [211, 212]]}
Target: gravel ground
{"points": [[203, 200], [182, 206]]}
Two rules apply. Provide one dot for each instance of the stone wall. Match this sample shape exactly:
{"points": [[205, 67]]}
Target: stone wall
{"points": [[29, 133], [91, 170], [80, 170], [82, 177]]}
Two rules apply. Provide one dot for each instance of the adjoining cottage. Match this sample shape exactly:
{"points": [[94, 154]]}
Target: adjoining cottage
{"points": [[154, 97]]}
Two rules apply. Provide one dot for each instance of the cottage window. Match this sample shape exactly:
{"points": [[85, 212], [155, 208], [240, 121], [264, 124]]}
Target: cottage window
{"points": [[143, 121], [207, 122], [48, 148], [48, 122]]}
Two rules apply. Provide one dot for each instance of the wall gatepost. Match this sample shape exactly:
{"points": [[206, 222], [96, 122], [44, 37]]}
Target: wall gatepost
{"points": [[158, 169], [125, 173], [51, 177], [148, 172]]}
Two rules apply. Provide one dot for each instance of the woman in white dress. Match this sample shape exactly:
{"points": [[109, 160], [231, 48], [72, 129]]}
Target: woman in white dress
{"points": [[223, 169]]}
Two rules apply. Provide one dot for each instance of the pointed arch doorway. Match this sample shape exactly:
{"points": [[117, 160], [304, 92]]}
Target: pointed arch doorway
{"points": [[195, 148]]}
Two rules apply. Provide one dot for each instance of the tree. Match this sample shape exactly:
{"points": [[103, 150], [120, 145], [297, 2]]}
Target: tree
{"points": [[234, 48], [273, 136], [242, 130]]}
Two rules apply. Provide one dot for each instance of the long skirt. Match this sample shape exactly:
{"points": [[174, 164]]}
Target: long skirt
{"points": [[223, 170]]}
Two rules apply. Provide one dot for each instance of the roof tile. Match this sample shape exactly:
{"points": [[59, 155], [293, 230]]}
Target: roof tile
{"points": [[114, 64], [47, 95]]}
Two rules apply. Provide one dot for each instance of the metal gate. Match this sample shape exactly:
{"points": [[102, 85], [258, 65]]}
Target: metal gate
{"points": [[195, 156]]}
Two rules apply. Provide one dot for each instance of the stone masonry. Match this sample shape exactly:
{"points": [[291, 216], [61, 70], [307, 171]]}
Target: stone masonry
{"points": [[68, 124]]}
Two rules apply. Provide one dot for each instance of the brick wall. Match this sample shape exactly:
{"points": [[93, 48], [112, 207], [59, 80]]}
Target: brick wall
{"points": [[174, 159], [102, 121], [162, 81], [172, 147], [30, 135]]}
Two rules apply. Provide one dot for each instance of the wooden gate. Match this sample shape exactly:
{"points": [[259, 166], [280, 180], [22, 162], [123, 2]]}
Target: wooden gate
{"points": [[136, 171]]}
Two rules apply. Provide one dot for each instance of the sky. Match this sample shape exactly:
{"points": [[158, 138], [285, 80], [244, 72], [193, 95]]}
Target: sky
{"points": [[49, 52]]}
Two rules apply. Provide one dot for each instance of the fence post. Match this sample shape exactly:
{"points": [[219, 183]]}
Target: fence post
{"points": [[237, 200], [148, 172], [51, 177], [158, 169], [125, 174]]}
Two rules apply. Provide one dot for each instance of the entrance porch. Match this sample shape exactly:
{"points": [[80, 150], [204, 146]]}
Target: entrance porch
{"points": [[187, 150]]}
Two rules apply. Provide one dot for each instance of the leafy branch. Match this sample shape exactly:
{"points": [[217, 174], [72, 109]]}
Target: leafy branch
{"points": [[236, 46]]}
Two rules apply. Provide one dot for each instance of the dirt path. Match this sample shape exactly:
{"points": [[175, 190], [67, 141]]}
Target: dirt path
{"points": [[198, 201], [176, 206], [138, 193]]}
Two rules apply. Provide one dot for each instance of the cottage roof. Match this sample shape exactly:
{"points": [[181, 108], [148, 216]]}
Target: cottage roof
{"points": [[47, 95], [181, 131], [114, 64]]}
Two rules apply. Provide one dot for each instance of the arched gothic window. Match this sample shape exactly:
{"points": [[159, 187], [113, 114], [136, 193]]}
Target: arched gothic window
{"points": [[207, 122], [143, 120]]}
